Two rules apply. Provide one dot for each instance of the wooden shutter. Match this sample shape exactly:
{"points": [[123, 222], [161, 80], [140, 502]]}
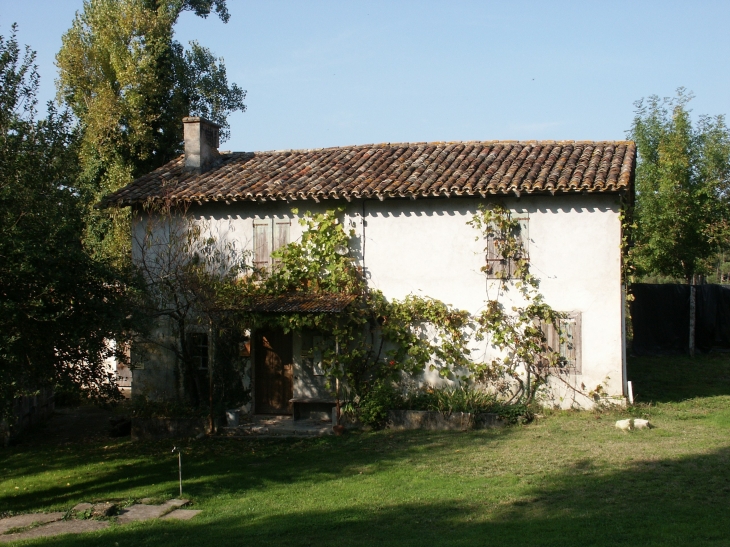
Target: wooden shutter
{"points": [[570, 346], [262, 244], [198, 349], [523, 235], [281, 235], [565, 341], [497, 267]]}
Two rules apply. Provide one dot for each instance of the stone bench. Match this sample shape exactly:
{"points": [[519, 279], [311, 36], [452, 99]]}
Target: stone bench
{"points": [[305, 408]]}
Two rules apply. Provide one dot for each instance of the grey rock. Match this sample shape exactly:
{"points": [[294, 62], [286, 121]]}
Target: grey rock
{"points": [[141, 511], [182, 514], [57, 528], [21, 521], [104, 509]]}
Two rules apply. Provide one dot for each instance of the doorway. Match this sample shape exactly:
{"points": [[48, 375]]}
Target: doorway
{"points": [[273, 372]]}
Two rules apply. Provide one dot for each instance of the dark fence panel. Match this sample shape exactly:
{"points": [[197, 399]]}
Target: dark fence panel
{"points": [[660, 318], [712, 328]]}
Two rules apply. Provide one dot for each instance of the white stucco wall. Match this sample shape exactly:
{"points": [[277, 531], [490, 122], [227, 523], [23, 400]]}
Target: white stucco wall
{"points": [[425, 247]]}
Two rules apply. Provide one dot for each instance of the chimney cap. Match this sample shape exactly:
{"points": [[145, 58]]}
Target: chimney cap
{"points": [[198, 119]]}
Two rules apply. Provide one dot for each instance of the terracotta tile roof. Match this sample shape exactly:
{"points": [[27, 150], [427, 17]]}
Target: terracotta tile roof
{"points": [[301, 303], [394, 170]]}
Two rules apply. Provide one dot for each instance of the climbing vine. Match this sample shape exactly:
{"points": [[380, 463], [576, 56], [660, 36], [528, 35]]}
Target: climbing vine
{"points": [[373, 339], [377, 339], [525, 361]]}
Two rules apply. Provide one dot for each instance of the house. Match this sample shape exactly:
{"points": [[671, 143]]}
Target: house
{"points": [[409, 204]]}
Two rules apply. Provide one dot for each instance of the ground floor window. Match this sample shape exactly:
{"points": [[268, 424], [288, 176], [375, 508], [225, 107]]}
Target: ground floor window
{"points": [[198, 349]]}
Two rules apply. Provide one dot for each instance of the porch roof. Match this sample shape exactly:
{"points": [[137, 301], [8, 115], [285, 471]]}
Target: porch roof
{"points": [[300, 303]]}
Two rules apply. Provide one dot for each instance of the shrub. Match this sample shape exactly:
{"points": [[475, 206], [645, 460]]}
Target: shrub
{"points": [[375, 404]]}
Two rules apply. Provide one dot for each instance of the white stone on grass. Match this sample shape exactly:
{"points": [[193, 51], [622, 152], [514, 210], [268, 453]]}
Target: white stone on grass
{"points": [[633, 423]]}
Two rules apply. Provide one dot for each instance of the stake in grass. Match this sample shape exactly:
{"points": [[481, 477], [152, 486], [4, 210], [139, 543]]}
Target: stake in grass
{"points": [[179, 466]]}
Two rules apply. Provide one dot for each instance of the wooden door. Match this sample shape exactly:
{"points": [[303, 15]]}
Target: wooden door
{"points": [[273, 374]]}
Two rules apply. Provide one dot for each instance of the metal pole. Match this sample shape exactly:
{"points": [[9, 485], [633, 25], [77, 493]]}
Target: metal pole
{"points": [[337, 380], [179, 466]]}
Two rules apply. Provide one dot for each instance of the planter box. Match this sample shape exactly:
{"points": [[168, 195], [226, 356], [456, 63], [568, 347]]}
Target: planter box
{"points": [[436, 421], [159, 428]]}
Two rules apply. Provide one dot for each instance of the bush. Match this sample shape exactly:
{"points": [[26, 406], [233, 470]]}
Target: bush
{"points": [[375, 404], [385, 396], [451, 399]]}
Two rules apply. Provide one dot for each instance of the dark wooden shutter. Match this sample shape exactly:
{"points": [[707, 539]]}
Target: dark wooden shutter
{"points": [[198, 349]]}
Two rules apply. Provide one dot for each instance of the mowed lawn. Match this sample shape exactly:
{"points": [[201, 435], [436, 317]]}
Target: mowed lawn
{"points": [[569, 478]]}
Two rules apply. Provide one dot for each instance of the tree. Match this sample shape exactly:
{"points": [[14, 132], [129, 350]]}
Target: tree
{"points": [[129, 84], [58, 308], [682, 181], [193, 281]]}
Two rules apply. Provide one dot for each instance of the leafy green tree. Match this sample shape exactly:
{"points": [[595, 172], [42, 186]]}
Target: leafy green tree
{"points": [[130, 83], [58, 308], [682, 180]]}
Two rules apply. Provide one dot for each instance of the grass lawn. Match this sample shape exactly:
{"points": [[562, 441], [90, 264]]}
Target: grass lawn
{"points": [[568, 479]]}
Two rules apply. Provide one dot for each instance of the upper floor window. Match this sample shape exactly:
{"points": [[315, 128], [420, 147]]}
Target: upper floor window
{"points": [[503, 251], [269, 235]]}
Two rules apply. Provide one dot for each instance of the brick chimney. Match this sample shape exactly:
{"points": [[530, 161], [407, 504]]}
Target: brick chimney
{"points": [[201, 143]]}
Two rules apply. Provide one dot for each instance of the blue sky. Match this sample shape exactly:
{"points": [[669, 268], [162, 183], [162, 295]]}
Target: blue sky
{"points": [[333, 73]]}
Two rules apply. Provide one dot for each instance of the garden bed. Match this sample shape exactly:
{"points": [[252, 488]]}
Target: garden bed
{"points": [[439, 421]]}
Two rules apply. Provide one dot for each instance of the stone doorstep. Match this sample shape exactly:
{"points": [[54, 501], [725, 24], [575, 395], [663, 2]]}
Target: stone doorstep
{"points": [[57, 528], [21, 521], [140, 511]]}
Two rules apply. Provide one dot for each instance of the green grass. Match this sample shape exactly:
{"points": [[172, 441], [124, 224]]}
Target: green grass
{"points": [[568, 479]]}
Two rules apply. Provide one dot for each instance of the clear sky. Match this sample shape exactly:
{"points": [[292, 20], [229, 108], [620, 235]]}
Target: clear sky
{"points": [[333, 73]]}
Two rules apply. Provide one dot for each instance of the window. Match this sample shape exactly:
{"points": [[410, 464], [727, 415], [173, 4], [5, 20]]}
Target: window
{"points": [[499, 267], [567, 346], [269, 235], [198, 349], [313, 345]]}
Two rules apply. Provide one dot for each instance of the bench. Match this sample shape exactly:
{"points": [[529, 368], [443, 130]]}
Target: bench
{"points": [[304, 408]]}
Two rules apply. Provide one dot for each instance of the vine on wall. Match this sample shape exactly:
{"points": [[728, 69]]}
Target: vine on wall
{"points": [[373, 340], [381, 339]]}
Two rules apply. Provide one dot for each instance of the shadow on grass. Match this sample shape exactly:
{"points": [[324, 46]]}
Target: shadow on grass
{"points": [[673, 378], [215, 466], [651, 503]]}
